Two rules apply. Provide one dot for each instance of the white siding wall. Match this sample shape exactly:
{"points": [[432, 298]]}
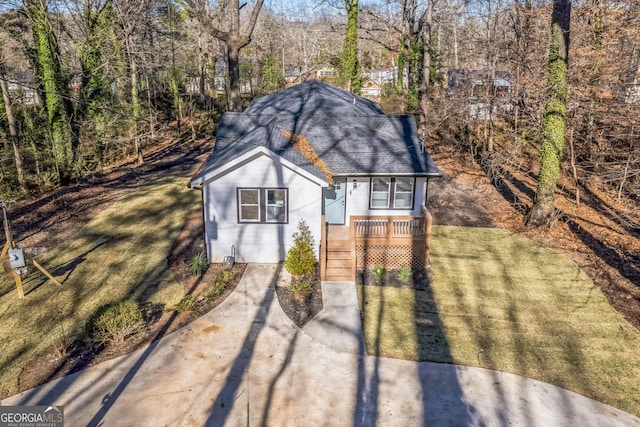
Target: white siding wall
{"points": [[358, 199], [258, 242]]}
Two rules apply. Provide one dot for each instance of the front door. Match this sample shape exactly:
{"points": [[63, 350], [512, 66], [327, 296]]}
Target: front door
{"points": [[333, 199]]}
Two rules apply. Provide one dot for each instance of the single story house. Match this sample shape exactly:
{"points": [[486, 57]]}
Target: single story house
{"points": [[310, 152]]}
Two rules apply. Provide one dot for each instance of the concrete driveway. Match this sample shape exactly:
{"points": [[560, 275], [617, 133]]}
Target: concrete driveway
{"points": [[245, 363]]}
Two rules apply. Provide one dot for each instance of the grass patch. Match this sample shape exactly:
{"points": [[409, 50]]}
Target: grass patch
{"points": [[121, 254], [502, 301]]}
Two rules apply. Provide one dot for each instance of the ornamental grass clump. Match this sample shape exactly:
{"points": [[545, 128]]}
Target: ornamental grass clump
{"points": [[187, 303], [379, 272], [215, 289], [198, 264], [404, 274]]}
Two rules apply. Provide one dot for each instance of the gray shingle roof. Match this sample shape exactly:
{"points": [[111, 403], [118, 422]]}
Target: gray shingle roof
{"points": [[312, 97], [351, 139]]}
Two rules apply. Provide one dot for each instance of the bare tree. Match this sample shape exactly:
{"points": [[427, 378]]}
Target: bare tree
{"points": [[13, 128], [233, 38]]}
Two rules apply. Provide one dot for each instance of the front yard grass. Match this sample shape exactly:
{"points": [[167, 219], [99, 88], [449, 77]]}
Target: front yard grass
{"points": [[120, 254], [504, 302]]}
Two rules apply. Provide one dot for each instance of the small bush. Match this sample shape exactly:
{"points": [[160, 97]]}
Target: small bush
{"points": [[213, 291], [225, 276], [198, 264], [404, 274], [379, 272], [302, 288], [114, 322], [187, 303], [300, 259]]}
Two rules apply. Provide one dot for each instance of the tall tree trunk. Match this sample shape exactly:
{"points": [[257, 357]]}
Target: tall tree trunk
{"points": [[13, 129], [136, 106], [54, 89], [594, 78], [234, 101], [95, 87], [349, 65], [541, 213], [232, 38], [152, 125], [426, 24]]}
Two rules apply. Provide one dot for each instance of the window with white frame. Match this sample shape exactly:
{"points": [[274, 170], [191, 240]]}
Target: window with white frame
{"points": [[403, 193], [276, 205], [262, 205], [380, 192], [392, 193], [249, 204]]}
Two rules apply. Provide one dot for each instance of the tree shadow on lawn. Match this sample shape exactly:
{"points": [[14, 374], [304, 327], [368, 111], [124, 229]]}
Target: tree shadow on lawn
{"points": [[417, 325], [513, 305]]}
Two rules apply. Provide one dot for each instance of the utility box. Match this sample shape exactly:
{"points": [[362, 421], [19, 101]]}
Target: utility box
{"points": [[15, 262], [16, 258]]}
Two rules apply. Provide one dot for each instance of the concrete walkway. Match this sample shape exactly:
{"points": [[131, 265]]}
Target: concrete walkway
{"points": [[245, 363]]}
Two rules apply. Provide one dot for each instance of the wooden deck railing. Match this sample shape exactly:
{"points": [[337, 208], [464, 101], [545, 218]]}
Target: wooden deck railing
{"points": [[391, 240], [389, 227], [387, 240]]}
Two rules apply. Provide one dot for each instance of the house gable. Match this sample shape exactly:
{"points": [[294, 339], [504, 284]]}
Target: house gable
{"points": [[246, 159]]}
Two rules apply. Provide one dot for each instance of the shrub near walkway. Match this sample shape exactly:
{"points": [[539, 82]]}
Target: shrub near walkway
{"points": [[121, 254], [503, 302]]}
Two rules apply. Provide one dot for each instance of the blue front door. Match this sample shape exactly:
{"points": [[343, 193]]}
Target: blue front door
{"points": [[334, 201]]}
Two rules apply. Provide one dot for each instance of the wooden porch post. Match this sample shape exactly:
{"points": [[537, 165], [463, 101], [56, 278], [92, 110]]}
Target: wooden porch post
{"points": [[428, 219], [352, 239], [323, 248]]}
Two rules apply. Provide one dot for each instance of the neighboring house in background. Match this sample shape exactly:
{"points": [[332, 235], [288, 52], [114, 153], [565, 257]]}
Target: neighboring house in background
{"points": [[375, 80], [326, 72], [192, 83], [21, 88], [301, 153], [484, 95], [371, 89]]}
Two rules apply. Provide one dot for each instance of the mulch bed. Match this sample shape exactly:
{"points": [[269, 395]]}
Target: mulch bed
{"points": [[300, 310]]}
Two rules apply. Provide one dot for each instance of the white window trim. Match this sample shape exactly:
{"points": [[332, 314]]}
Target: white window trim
{"points": [[391, 194], [262, 205], [241, 205]]}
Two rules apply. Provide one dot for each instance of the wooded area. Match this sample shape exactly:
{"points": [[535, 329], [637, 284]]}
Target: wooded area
{"points": [[90, 83]]}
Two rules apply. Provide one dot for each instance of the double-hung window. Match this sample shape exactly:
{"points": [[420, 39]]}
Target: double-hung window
{"points": [[380, 192], [392, 193], [276, 205], [262, 205]]}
